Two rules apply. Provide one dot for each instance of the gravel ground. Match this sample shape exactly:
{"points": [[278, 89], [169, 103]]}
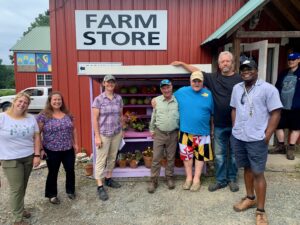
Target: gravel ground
{"points": [[132, 205]]}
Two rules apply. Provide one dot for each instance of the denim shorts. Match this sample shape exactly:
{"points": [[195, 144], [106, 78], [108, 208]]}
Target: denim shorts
{"points": [[250, 154]]}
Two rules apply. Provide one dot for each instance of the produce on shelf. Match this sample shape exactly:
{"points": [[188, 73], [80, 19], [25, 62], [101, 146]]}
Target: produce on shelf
{"points": [[133, 90]]}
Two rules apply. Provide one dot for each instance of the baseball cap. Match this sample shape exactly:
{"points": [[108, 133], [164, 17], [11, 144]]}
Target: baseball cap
{"points": [[294, 56], [165, 82], [248, 63], [109, 77], [196, 75]]}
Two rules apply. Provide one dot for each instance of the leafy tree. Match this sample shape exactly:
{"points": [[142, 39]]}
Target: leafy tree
{"points": [[7, 79], [41, 20]]}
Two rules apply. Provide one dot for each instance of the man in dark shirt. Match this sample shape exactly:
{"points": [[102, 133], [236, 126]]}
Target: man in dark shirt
{"points": [[221, 84]]}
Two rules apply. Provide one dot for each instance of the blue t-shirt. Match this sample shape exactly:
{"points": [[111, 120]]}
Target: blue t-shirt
{"points": [[195, 110]]}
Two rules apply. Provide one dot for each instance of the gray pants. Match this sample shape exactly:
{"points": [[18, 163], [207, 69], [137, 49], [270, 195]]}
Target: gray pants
{"points": [[164, 141], [17, 172]]}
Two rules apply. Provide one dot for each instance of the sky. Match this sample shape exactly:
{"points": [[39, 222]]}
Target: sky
{"points": [[15, 17]]}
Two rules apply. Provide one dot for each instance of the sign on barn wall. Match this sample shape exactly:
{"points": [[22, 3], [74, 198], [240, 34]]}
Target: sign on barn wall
{"points": [[121, 29]]}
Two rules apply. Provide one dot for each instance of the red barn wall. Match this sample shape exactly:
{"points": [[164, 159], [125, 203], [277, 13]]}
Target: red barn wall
{"points": [[190, 22]]}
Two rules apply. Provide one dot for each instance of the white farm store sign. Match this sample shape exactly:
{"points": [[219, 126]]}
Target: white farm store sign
{"points": [[121, 29]]}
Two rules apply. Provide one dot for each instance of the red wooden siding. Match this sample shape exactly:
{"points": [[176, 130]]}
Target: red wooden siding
{"points": [[189, 23]]}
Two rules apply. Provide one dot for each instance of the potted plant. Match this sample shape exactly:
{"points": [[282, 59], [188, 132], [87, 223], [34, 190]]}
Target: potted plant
{"points": [[89, 166], [122, 160], [147, 156], [135, 158]]}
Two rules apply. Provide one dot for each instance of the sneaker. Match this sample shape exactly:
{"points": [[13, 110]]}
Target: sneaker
{"points": [[216, 186], [261, 218], [244, 204], [111, 183], [170, 183], [233, 186], [278, 149], [102, 194], [290, 152], [152, 187]]}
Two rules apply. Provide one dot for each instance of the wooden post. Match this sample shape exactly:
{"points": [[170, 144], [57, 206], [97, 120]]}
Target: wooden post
{"points": [[236, 51]]}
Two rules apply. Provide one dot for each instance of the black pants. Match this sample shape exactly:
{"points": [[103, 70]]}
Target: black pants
{"points": [[55, 158]]}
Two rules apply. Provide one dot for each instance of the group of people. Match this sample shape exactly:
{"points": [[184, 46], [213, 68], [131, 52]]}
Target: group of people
{"points": [[236, 112], [22, 148], [240, 120]]}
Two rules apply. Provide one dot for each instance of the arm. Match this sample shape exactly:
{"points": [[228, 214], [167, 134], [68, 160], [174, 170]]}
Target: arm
{"points": [[152, 122], [272, 124], [75, 140], [233, 114], [188, 67], [41, 127], [96, 114], [212, 127], [37, 145]]}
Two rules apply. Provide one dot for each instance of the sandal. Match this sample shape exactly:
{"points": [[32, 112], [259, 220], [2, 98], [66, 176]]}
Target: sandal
{"points": [[54, 200]]}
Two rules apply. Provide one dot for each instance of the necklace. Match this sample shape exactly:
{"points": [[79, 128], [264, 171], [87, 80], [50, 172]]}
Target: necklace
{"points": [[249, 98]]}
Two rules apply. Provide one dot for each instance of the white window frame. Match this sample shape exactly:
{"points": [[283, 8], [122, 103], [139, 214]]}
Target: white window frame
{"points": [[45, 80]]}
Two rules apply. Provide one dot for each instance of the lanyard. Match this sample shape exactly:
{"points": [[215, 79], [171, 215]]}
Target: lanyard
{"points": [[249, 99]]}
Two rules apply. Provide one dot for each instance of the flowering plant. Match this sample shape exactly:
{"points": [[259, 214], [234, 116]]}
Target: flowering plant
{"points": [[128, 119]]}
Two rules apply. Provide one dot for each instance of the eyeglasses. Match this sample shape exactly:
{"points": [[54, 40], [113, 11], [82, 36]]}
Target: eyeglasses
{"points": [[243, 98]]}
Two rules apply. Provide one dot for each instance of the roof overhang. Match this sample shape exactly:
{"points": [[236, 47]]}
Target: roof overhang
{"points": [[235, 21]]}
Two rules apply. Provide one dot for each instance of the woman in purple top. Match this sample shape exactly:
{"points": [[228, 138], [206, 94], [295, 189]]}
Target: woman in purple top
{"points": [[107, 111], [59, 141]]}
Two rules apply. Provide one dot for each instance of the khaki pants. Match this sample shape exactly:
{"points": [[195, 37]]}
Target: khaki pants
{"points": [[164, 141], [17, 172], [106, 155]]}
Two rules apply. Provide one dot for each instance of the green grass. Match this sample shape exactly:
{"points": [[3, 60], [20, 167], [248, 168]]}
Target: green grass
{"points": [[4, 92]]}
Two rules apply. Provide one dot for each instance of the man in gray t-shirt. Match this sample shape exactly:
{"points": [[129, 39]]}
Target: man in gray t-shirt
{"points": [[288, 85]]}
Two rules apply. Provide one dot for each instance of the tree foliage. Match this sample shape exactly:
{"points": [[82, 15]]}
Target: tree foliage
{"points": [[41, 20], [7, 79]]}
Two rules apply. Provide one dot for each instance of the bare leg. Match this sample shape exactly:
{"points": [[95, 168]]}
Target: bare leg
{"points": [[260, 186], [198, 171], [294, 136], [280, 135], [249, 181], [188, 166]]}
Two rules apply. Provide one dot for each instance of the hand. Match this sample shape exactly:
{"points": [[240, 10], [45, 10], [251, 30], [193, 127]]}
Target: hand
{"points": [[152, 134], [98, 142], [43, 155], [153, 103], [36, 161], [176, 63], [76, 149]]}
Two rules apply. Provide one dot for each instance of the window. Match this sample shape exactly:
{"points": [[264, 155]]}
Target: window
{"points": [[43, 80]]}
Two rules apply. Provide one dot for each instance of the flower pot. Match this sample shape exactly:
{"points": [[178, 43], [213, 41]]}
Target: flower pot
{"points": [[122, 163], [163, 162], [147, 161], [178, 163], [88, 169], [133, 163]]}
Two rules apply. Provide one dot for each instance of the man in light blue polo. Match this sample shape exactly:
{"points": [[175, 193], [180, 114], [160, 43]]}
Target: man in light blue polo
{"points": [[255, 114]]}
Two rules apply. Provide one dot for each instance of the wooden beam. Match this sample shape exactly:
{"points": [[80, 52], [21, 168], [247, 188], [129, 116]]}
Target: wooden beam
{"points": [[287, 12], [296, 4], [236, 51], [271, 11], [268, 34]]}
